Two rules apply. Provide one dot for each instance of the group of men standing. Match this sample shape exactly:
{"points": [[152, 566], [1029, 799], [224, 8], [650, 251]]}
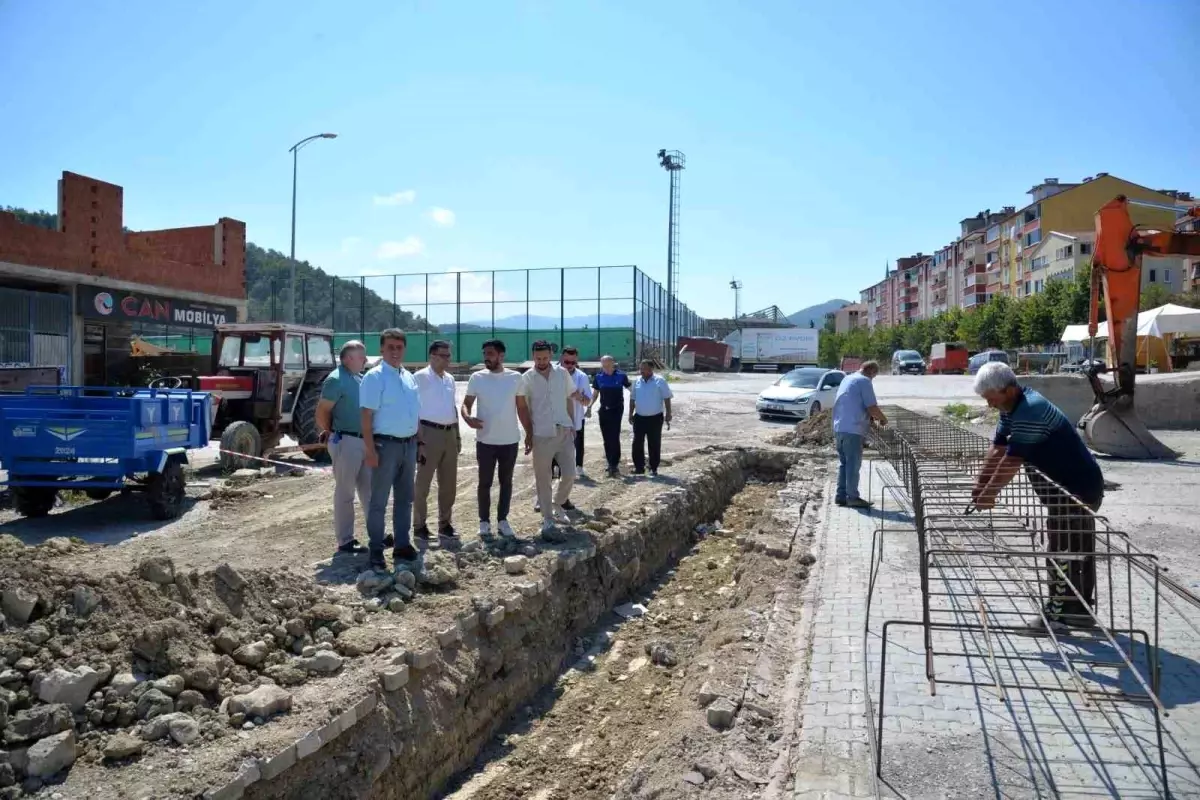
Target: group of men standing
{"points": [[391, 432]]}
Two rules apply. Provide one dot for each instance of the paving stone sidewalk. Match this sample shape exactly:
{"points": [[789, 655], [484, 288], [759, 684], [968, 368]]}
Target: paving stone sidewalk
{"points": [[964, 741]]}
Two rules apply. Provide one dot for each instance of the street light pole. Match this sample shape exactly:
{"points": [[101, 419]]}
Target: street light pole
{"points": [[295, 160]]}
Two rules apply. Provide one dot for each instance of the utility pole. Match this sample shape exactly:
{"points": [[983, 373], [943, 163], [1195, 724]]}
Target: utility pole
{"points": [[736, 285], [673, 162], [295, 168]]}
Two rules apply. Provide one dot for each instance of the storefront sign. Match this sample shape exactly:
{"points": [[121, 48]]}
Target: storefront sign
{"points": [[122, 306]]}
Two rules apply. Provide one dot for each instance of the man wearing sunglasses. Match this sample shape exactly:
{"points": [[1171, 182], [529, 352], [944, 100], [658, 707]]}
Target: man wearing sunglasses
{"points": [[440, 444]]}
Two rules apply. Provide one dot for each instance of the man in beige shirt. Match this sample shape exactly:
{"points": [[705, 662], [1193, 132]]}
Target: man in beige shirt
{"points": [[544, 404]]}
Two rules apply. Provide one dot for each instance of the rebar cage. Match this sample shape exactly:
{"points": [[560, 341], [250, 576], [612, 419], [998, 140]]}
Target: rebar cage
{"points": [[988, 579]]}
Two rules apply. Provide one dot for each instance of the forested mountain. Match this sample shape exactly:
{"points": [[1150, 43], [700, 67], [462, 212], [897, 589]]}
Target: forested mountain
{"points": [[321, 299]]}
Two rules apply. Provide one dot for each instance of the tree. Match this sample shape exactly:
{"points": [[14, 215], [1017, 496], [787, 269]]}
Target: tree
{"points": [[1154, 296], [1037, 325]]}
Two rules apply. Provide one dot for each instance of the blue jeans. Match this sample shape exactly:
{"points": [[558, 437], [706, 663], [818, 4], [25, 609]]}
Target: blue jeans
{"points": [[849, 450], [394, 476]]}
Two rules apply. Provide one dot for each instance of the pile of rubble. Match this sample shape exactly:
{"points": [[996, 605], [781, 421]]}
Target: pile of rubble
{"points": [[816, 430], [101, 668]]}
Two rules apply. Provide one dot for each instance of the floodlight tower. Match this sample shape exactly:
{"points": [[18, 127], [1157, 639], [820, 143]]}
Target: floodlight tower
{"points": [[673, 162], [736, 285]]}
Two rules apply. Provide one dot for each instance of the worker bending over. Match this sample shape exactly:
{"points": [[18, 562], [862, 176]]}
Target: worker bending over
{"points": [[1034, 432], [854, 407]]}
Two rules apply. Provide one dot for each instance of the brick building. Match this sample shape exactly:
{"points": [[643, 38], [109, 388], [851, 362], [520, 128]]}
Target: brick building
{"points": [[74, 297]]}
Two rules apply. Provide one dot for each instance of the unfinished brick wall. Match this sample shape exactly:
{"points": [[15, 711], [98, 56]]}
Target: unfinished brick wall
{"points": [[210, 259]]}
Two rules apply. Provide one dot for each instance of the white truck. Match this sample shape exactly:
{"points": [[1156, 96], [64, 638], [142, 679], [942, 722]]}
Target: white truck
{"points": [[774, 349]]}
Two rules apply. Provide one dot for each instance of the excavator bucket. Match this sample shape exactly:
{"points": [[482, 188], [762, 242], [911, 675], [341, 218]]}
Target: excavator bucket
{"points": [[1114, 429]]}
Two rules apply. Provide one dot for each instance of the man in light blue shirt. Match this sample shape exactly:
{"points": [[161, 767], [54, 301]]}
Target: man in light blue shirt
{"points": [[853, 409], [649, 407], [391, 403]]}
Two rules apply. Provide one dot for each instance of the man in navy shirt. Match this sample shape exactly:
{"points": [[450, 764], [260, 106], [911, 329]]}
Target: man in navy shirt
{"points": [[1034, 432], [610, 385]]}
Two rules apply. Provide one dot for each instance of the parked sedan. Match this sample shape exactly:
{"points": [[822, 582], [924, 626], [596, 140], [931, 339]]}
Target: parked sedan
{"points": [[800, 393]]}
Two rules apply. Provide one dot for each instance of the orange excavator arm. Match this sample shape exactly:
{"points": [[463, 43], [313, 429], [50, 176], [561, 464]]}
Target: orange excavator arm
{"points": [[1112, 426]]}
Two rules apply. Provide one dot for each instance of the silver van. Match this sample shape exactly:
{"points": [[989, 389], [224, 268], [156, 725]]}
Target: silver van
{"points": [[987, 356]]}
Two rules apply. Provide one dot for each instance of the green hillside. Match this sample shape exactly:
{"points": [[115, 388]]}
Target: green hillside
{"points": [[321, 299]]}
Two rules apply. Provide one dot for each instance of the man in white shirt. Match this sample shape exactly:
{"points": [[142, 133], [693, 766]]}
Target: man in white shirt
{"points": [[440, 441], [496, 433], [570, 362], [545, 402], [649, 408]]}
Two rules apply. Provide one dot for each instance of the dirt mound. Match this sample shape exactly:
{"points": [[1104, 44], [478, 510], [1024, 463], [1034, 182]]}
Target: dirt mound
{"points": [[151, 657], [815, 430]]}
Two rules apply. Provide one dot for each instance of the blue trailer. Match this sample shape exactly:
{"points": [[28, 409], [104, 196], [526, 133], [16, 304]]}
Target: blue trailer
{"points": [[100, 440]]}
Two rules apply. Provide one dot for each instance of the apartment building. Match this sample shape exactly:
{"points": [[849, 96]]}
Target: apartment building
{"points": [[849, 317], [1192, 282], [880, 301], [1015, 251], [1187, 224]]}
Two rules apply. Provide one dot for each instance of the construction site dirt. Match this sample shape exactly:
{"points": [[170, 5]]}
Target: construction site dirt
{"points": [[655, 653], [186, 622]]}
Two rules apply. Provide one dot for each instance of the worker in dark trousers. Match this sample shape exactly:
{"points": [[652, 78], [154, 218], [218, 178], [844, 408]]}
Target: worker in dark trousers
{"points": [[1065, 476], [649, 409], [610, 385]]}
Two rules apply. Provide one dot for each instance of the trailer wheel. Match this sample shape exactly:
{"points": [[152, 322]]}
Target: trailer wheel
{"points": [[304, 425], [241, 443], [165, 491], [33, 501]]}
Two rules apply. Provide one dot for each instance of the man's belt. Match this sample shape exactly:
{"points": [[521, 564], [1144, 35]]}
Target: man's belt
{"points": [[439, 426], [383, 437], [355, 434]]}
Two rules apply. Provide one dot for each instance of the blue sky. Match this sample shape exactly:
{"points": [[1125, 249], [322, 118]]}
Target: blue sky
{"points": [[823, 139]]}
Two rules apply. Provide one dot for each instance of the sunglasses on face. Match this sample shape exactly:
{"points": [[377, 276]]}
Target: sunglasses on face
{"points": [[569, 363]]}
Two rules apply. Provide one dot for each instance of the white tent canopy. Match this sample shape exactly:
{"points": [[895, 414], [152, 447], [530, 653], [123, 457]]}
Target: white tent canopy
{"points": [[1168, 320]]}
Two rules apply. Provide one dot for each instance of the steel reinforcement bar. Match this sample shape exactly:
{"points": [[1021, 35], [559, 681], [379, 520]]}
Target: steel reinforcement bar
{"points": [[1035, 588]]}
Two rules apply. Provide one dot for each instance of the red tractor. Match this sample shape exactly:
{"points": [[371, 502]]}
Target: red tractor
{"points": [[265, 381]]}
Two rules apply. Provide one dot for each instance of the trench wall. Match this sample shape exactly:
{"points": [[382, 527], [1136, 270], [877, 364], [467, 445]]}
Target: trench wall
{"points": [[435, 708], [1166, 401]]}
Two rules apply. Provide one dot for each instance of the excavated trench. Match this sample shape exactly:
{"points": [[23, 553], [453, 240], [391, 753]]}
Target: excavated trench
{"points": [[431, 725]]}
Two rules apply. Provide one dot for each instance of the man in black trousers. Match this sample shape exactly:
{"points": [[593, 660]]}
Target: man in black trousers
{"points": [[649, 408], [610, 385]]}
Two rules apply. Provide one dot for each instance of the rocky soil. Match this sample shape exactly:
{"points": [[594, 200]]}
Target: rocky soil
{"points": [[681, 691], [816, 430], [142, 659]]}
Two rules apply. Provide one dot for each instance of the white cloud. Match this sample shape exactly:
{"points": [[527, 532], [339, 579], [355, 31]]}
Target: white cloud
{"points": [[442, 216], [404, 198], [408, 246]]}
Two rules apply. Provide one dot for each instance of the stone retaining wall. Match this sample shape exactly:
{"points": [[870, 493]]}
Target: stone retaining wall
{"points": [[434, 707]]}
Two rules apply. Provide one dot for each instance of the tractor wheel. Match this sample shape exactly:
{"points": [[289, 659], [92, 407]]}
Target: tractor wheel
{"points": [[241, 444], [165, 491], [304, 425], [98, 494], [33, 501]]}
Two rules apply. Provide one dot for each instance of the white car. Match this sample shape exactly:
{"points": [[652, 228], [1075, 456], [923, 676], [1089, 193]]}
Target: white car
{"points": [[800, 393]]}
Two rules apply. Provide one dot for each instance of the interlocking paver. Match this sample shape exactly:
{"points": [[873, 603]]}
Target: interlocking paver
{"points": [[1040, 743]]}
